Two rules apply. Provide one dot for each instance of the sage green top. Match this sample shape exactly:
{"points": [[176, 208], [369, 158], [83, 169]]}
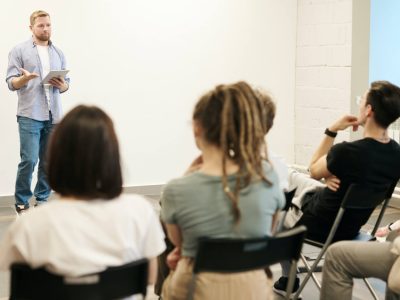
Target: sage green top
{"points": [[199, 206]]}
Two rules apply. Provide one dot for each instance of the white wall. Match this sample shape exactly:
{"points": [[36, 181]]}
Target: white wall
{"points": [[323, 71], [147, 62]]}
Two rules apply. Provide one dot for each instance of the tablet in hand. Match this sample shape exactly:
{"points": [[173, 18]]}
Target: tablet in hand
{"points": [[52, 74]]}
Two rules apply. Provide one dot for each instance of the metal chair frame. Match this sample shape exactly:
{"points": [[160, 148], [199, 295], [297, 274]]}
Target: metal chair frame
{"points": [[357, 197]]}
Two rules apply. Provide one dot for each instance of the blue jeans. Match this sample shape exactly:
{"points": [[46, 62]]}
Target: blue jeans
{"points": [[33, 136]]}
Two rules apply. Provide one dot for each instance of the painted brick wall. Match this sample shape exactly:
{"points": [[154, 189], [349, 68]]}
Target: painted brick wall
{"points": [[323, 71]]}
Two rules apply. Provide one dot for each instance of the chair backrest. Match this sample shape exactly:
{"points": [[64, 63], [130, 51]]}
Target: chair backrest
{"points": [[239, 255], [384, 205], [359, 202], [113, 283], [360, 196]]}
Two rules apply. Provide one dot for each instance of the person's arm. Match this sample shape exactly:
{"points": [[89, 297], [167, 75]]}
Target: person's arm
{"points": [[385, 230], [173, 231], [20, 81], [152, 271], [318, 166], [174, 234], [168, 215], [275, 219], [59, 83], [63, 83]]}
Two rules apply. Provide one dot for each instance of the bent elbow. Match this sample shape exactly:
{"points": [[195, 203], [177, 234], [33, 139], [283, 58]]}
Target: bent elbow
{"points": [[314, 174]]}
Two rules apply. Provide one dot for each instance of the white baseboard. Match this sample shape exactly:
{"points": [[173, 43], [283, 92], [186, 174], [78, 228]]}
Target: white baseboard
{"points": [[152, 191]]}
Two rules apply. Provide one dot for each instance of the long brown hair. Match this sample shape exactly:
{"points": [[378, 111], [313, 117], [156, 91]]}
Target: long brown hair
{"points": [[83, 156], [233, 118]]}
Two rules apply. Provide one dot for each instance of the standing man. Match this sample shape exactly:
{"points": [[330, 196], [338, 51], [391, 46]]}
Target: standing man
{"points": [[39, 105]]}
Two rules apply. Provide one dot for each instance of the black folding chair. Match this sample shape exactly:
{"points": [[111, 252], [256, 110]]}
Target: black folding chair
{"points": [[113, 283], [240, 255], [358, 197]]}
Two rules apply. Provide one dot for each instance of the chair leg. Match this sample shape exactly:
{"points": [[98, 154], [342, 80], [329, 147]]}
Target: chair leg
{"points": [[292, 277], [310, 274], [316, 269], [371, 289], [305, 269]]}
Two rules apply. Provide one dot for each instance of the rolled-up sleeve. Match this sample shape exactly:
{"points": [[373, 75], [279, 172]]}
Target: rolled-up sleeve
{"points": [[13, 69], [64, 67]]}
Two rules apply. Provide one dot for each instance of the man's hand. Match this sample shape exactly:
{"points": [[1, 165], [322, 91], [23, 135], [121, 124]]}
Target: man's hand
{"points": [[382, 231], [173, 257], [332, 183], [20, 81], [345, 122], [59, 83], [27, 75]]}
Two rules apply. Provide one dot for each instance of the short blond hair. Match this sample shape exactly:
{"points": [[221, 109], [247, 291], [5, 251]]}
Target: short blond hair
{"points": [[38, 14]]}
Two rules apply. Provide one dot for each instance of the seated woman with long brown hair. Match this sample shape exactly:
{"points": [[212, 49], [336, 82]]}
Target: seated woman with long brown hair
{"points": [[91, 225], [232, 191]]}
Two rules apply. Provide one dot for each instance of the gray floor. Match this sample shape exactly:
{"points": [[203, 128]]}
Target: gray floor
{"points": [[7, 215]]}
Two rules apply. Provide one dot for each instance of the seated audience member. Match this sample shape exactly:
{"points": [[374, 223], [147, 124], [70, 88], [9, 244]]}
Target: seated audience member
{"points": [[373, 159], [91, 226], [277, 162], [231, 191], [347, 260]]}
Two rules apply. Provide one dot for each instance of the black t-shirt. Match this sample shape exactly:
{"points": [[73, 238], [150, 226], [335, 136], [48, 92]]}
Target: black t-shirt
{"points": [[365, 161]]}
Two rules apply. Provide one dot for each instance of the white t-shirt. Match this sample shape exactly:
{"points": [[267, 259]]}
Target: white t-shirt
{"points": [[78, 237], [43, 52]]}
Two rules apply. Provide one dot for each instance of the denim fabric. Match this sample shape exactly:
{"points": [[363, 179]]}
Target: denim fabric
{"points": [[33, 137]]}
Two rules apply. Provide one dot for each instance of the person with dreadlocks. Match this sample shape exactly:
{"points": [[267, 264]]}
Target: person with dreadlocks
{"points": [[232, 191]]}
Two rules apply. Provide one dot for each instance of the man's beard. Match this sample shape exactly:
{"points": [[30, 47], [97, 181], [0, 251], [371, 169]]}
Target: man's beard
{"points": [[43, 37]]}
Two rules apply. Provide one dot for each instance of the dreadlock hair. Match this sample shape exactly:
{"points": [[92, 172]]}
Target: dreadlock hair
{"points": [[232, 118], [268, 110]]}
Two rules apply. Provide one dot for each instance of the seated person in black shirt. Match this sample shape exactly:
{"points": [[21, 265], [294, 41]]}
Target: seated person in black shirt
{"points": [[373, 159]]}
